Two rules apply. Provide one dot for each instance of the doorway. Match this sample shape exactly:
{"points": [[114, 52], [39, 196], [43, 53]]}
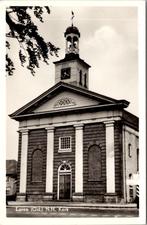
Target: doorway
{"points": [[64, 182]]}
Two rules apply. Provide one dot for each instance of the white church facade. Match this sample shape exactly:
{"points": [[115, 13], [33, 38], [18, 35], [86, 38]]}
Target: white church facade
{"points": [[75, 144]]}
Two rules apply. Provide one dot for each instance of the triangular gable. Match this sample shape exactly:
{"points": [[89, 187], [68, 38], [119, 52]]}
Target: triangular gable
{"points": [[64, 96], [66, 99]]}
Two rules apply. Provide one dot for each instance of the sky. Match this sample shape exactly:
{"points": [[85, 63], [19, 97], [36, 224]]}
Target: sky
{"points": [[108, 42]]}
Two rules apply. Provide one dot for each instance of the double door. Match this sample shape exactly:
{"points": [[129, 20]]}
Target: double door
{"points": [[64, 186]]}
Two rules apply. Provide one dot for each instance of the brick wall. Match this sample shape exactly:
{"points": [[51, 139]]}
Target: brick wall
{"points": [[37, 140], [94, 134]]}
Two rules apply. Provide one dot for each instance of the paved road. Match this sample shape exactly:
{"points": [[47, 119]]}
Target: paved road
{"points": [[45, 211]]}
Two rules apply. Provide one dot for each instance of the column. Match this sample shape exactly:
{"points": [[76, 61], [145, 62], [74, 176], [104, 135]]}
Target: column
{"points": [[78, 195], [23, 166], [49, 163], [110, 162]]}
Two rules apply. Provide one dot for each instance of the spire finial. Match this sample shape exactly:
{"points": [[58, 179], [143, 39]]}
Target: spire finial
{"points": [[72, 16]]}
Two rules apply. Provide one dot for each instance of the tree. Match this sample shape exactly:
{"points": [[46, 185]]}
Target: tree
{"points": [[33, 47]]}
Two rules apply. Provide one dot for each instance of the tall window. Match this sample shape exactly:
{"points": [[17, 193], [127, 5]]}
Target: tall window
{"points": [[130, 150], [130, 188], [137, 159], [80, 80], [37, 163], [85, 80], [94, 163]]}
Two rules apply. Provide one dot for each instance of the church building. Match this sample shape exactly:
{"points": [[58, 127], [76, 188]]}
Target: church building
{"points": [[75, 144]]}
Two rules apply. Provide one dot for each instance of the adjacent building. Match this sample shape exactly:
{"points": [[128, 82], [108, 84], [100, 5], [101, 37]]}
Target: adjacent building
{"points": [[11, 178], [75, 144]]}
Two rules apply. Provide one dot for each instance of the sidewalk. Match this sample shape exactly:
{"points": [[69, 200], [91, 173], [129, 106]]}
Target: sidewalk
{"points": [[75, 205]]}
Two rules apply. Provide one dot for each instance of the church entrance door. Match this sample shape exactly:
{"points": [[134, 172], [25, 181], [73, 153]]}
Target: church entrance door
{"points": [[64, 187], [64, 182]]}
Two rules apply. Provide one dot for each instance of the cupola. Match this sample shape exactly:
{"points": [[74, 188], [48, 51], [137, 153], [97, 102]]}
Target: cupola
{"points": [[72, 69], [72, 36]]}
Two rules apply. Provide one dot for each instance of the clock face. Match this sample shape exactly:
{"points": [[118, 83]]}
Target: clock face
{"points": [[65, 73]]}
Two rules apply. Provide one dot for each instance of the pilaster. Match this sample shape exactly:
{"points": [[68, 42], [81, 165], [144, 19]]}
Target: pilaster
{"points": [[78, 195], [23, 166], [110, 163], [49, 163]]}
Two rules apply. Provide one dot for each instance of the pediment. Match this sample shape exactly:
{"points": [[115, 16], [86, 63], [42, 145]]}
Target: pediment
{"points": [[65, 97]]}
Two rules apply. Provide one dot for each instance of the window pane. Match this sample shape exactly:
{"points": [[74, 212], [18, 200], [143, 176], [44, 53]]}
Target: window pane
{"points": [[65, 143]]}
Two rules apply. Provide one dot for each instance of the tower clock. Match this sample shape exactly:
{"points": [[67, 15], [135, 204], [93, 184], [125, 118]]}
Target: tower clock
{"points": [[65, 73]]}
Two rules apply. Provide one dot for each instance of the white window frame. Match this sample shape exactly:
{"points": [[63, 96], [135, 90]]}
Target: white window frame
{"points": [[64, 149]]}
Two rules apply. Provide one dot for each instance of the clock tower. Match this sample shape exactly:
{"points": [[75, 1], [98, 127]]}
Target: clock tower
{"points": [[72, 69]]}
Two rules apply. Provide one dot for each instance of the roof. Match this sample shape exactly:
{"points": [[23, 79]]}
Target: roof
{"points": [[72, 29], [105, 102], [130, 120], [72, 56]]}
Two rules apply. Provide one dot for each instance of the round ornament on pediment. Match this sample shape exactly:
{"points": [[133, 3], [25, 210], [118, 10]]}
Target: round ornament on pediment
{"points": [[64, 102]]}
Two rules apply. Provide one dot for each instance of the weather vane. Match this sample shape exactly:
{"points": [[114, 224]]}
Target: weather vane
{"points": [[72, 16]]}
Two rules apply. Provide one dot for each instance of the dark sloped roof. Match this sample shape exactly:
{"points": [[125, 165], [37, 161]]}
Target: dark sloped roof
{"points": [[131, 120], [72, 29]]}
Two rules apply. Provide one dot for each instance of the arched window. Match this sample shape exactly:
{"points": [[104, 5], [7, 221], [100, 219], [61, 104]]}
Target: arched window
{"points": [[85, 80], [64, 168], [37, 163], [130, 150], [130, 175], [75, 40], [137, 159], [94, 163], [80, 80]]}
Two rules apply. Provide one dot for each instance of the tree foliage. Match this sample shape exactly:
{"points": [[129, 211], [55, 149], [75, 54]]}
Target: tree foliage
{"points": [[33, 47]]}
